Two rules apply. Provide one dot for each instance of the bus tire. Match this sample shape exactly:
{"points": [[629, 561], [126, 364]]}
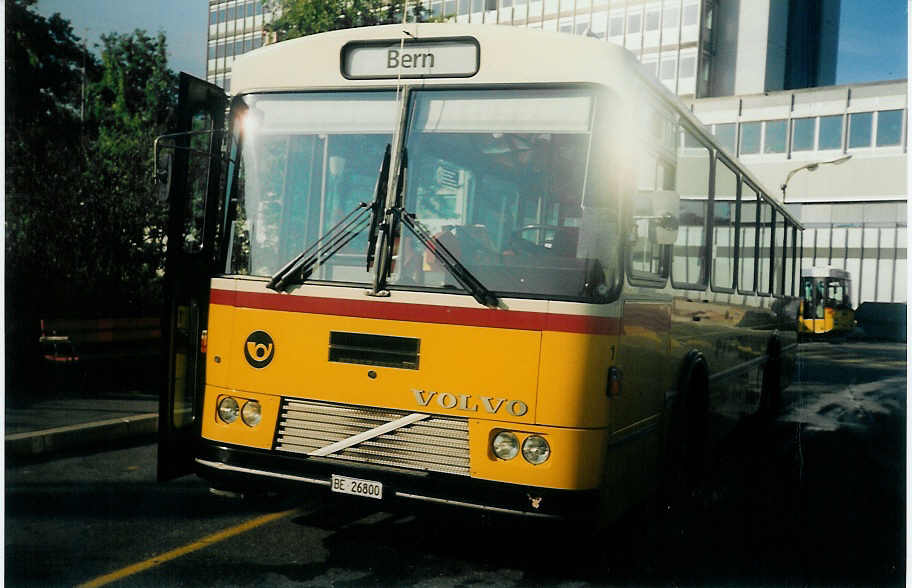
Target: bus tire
{"points": [[771, 386], [686, 449]]}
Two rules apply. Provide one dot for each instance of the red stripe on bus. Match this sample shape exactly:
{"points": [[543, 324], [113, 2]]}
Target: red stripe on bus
{"points": [[474, 317]]}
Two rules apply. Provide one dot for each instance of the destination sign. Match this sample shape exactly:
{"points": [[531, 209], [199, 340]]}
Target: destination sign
{"points": [[434, 59]]}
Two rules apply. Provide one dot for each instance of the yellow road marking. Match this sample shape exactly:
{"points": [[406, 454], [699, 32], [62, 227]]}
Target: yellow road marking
{"points": [[180, 551]]}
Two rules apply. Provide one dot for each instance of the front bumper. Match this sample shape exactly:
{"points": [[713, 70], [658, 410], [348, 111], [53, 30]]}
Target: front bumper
{"points": [[236, 468]]}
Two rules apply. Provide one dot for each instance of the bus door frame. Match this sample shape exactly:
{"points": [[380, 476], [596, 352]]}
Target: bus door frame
{"points": [[189, 265]]}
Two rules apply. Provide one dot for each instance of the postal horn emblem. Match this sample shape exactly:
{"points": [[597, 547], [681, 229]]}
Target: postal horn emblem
{"points": [[259, 349]]}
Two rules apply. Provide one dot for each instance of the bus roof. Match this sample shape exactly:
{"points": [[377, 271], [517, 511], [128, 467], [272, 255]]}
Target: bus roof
{"points": [[315, 62], [825, 272]]}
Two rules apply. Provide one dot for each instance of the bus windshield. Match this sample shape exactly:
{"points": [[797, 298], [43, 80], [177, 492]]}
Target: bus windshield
{"points": [[306, 161], [499, 177]]}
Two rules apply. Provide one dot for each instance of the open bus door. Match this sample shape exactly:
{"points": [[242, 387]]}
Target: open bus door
{"points": [[193, 195]]}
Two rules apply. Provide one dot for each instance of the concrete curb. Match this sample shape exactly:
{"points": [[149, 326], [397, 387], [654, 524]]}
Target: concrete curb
{"points": [[76, 436]]}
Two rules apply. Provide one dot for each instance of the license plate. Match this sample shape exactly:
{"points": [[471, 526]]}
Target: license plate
{"points": [[357, 487]]}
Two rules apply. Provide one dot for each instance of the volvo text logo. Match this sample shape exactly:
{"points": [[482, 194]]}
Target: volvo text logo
{"points": [[259, 349]]}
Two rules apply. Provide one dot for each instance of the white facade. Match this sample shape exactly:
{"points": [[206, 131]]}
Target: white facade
{"points": [[235, 27], [855, 211]]}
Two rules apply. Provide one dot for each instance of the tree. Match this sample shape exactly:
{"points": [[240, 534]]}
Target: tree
{"points": [[84, 226], [298, 18]]}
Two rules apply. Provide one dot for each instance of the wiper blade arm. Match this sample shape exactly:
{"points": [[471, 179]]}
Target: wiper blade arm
{"points": [[377, 206], [468, 281], [327, 245]]}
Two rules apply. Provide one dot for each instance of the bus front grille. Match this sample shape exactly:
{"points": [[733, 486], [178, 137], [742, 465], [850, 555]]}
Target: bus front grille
{"points": [[435, 444]]}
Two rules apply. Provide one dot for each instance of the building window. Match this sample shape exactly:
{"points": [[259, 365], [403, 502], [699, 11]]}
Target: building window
{"points": [[829, 133], [688, 68], [803, 134], [652, 67], [213, 17], [750, 137], [668, 69], [889, 127], [690, 15], [774, 136], [725, 135], [211, 51], [670, 17], [249, 9], [616, 26], [634, 23], [860, 129], [450, 8], [652, 20]]}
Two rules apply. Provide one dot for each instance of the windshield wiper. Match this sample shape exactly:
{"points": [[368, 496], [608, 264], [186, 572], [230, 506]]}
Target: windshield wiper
{"points": [[299, 269], [468, 281], [336, 238], [377, 206]]}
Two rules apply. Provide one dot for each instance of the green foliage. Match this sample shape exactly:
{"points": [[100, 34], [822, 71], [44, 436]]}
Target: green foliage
{"points": [[84, 226], [298, 18]]}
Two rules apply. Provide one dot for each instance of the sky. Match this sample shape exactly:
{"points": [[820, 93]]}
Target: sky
{"points": [[184, 23], [873, 41]]}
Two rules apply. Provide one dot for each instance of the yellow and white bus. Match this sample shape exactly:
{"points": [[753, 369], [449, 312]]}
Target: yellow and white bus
{"points": [[826, 302], [468, 265]]}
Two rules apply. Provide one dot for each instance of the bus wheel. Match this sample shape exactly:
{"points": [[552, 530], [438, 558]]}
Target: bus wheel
{"points": [[771, 388], [687, 448]]}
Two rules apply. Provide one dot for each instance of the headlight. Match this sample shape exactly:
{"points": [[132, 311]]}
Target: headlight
{"points": [[250, 414], [228, 409], [536, 450], [505, 445]]}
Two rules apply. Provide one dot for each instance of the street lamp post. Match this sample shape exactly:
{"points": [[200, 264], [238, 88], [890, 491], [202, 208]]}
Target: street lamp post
{"points": [[811, 167]]}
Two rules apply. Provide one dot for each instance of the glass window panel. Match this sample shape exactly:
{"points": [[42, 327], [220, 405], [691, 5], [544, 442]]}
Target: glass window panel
{"points": [[308, 161], [450, 7], [688, 66], [476, 5], [860, 129], [889, 127], [692, 183], [790, 261], [213, 17], [779, 237], [764, 241], [250, 9], [670, 16], [774, 136], [652, 20], [690, 15], [723, 227], [634, 23], [829, 133], [687, 259], [803, 134], [212, 52], [750, 137], [747, 252], [499, 178], [616, 26], [725, 134], [668, 69]]}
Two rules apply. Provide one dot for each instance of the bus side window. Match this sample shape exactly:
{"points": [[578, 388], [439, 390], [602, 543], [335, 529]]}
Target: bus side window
{"points": [[692, 182], [723, 227], [764, 242], [779, 254], [747, 262], [646, 253], [197, 182]]}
